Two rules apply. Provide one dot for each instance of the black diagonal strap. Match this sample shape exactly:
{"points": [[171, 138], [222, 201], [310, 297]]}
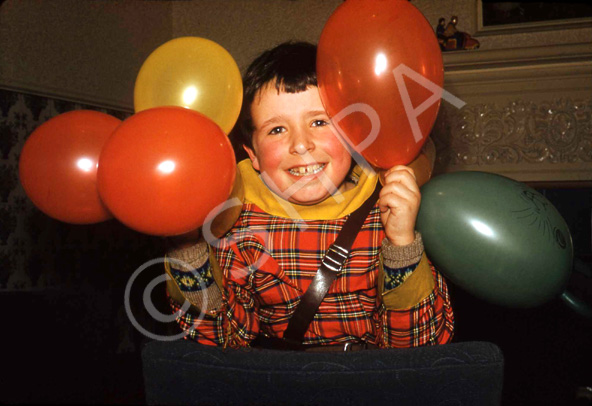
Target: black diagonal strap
{"points": [[331, 264]]}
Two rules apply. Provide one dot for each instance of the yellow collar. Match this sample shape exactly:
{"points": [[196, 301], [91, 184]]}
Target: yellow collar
{"points": [[257, 192]]}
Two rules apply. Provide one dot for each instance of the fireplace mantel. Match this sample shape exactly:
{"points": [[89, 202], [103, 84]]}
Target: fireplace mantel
{"points": [[528, 113]]}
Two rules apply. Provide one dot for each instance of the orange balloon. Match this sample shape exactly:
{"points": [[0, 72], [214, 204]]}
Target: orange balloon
{"points": [[165, 169], [58, 166], [380, 76]]}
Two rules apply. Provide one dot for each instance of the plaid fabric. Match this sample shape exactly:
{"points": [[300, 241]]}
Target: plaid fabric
{"points": [[268, 263]]}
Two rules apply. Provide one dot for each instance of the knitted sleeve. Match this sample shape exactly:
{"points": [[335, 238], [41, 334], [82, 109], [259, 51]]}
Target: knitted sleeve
{"points": [[415, 308], [192, 278]]}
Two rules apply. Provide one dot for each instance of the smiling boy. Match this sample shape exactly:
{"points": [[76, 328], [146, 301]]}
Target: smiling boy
{"points": [[300, 188], [292, 143]]}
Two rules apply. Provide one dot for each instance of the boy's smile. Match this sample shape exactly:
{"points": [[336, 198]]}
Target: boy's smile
{"points": [[294, 148]]}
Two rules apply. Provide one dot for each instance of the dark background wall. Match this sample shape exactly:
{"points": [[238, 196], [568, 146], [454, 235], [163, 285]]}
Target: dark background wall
{"points": [[67, 336]]}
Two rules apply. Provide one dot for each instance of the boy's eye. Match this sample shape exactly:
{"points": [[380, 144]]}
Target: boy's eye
{"points": [[277, 130], [319, 123]]}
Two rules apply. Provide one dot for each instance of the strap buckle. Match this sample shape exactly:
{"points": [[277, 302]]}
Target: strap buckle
{"points": [[355, 346], [335, 257]]}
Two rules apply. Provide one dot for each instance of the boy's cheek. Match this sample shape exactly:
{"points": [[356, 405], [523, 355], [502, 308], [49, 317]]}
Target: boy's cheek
{"points": [[269, 159], [339, 154]]}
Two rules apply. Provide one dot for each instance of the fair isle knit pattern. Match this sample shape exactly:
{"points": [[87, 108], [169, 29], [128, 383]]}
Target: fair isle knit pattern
{"points": [[195, 279]]}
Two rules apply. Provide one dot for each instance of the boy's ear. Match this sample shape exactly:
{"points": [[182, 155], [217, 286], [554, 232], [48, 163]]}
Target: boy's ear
{"points": [[253, 157]]}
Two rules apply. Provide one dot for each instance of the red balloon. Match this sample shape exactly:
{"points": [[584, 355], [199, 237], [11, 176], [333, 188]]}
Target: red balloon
{"points": [[58, 166], [380, 76], [165, 169]]}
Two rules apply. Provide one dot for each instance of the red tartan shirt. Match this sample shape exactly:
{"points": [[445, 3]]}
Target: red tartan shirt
{"points": [[268, 262]]}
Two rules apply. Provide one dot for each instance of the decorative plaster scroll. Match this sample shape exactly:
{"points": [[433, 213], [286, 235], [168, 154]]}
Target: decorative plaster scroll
{"points": [[520, 133]]}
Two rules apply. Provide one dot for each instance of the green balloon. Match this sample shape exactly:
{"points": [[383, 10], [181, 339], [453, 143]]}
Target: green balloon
{"points": [[499, 239]]}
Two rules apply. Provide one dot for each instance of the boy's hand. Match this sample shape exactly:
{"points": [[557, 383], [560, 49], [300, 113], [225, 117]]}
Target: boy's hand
{"points": [[399, 203]]}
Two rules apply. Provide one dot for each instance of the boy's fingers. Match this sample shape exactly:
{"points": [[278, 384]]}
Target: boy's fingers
{"points": [[403, 178], [403, 175], [399, 168], [398, 197], [400, 190]]}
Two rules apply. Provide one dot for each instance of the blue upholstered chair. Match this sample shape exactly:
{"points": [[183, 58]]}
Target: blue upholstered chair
{"points": [[183, 372]]}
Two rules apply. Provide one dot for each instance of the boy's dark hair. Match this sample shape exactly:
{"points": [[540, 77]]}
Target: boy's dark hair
{"points": [[291, 66]]}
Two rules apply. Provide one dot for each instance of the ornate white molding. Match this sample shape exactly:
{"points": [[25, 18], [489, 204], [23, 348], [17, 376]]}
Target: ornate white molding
{"points": [[528, 113], [559, 70], [515, 57], [528, 141]]}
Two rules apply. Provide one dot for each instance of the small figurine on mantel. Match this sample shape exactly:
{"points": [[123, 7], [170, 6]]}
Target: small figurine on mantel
{"points": [[450, 39]]}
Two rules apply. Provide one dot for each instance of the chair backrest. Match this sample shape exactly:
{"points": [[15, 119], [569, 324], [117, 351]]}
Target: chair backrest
{"points": [[183, 372]]}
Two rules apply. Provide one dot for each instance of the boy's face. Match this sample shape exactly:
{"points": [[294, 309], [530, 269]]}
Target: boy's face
{"points": [[294, 147]]}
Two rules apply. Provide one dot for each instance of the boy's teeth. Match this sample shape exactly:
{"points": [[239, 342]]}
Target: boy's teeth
{"points": [[307, 170]]}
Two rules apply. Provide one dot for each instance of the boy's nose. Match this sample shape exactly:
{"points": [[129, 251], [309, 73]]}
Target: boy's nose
{"points": [[301, 143]]}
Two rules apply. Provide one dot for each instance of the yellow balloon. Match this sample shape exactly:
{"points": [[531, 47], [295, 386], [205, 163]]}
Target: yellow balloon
{"points": [[194, 73]]}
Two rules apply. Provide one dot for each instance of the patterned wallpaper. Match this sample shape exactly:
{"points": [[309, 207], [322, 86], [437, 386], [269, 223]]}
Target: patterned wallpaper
{"points": [[38, 253]]}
